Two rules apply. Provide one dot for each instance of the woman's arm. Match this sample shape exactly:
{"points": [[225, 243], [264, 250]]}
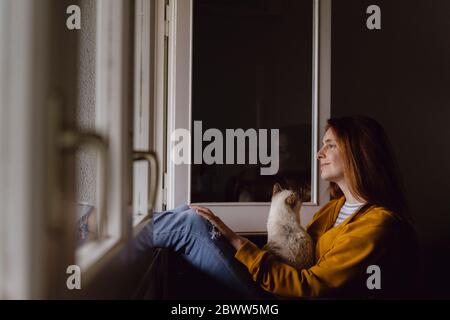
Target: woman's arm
{"points": [[343, 265], [347, 261]]}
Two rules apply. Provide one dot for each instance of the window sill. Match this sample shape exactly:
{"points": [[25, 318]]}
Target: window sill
{"points": [[91, 256]]}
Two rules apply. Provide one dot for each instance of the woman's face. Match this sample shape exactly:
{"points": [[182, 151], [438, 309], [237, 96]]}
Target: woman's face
{"points": [[330, 158]]}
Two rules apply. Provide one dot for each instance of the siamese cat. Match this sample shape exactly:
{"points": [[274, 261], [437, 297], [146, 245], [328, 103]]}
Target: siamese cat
{"points": [[286, 238]]}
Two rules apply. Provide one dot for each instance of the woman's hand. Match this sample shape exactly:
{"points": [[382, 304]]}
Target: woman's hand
{"points": [[236, 240]]}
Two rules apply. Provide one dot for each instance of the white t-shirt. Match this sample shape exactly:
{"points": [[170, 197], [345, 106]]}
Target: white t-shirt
{"points": [[346, 211]]}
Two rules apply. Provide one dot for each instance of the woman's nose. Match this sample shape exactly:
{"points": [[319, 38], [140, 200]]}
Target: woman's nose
{"points": [[320, 154]]}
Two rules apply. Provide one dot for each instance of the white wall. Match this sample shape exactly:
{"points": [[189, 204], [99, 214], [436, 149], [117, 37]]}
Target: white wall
{"points": [[86, 157]]}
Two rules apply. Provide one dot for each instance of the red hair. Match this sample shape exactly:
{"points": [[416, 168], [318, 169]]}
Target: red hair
{"points": [[370, 168]]}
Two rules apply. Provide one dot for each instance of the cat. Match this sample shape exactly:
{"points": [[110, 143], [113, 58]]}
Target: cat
{"points": [[286, 238]]}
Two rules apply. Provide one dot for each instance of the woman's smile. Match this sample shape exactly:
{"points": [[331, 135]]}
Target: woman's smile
{"points": [[322, 165]]}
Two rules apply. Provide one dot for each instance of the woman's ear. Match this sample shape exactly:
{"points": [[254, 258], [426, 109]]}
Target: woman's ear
{"points": [[276, 188]]}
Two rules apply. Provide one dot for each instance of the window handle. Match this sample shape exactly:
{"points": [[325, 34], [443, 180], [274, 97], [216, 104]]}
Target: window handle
{"points": [[153, 173], [63, 139], [73, 140]]}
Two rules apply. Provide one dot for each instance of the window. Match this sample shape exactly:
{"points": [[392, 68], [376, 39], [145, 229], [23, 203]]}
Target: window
{"points": [[66, 124], [252, 70], [104, 108], [123, 100], [248, 65], [144, 171]]}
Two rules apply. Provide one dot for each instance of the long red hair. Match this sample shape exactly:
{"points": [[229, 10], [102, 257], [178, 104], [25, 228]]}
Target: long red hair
{"points": [[370, 167]]}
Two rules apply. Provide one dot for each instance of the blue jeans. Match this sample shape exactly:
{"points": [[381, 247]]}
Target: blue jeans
{"points": [[194, 238]]}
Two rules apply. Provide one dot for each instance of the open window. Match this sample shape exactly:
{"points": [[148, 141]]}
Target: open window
{"points": [[145, 174], [116, 99], [104, 107], [69, 117], [239, 70]]}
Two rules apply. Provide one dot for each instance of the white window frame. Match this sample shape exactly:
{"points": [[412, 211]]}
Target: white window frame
{"points": [[143, 131], [112, 114], [242, 217], [162, 27]]}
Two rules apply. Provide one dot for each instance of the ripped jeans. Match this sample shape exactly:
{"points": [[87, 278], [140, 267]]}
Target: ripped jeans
{"points": [[202, 246]]}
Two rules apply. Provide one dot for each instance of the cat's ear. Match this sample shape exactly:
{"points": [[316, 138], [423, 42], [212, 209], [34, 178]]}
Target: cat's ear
{"points": [[276, 188], [292, 200]]}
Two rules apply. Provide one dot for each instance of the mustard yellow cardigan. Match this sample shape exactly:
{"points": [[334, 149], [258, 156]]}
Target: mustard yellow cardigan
{"points": [[373, 236]]}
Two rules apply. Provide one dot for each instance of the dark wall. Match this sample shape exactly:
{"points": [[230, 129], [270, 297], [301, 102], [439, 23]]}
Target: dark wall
{"points": [[400, 75]]}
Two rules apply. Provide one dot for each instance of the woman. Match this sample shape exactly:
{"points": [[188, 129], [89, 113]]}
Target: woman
{"points": [[365, 243]]}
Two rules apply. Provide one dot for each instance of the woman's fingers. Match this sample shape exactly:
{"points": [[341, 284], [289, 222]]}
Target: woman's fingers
{"points": [[209, 215], [199, 208], [205, 212], [202, 209]]}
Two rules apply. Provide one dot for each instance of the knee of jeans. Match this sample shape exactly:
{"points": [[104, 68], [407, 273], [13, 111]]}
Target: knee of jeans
{"points": [[181, 208], [197, 223]]}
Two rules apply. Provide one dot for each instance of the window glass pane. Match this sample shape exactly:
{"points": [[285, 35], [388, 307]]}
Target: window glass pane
{"points": [[252, 69]]}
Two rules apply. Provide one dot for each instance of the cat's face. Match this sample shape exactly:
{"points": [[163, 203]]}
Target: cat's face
{"points": [[287, 198]]}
